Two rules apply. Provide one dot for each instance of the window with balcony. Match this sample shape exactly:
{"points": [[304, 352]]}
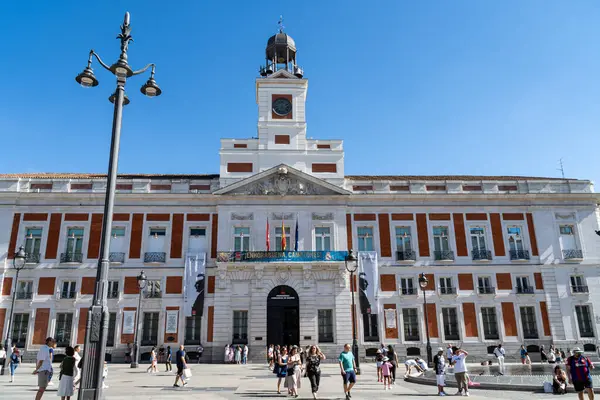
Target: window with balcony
{"points": [[568, 243], [24, 290], [62, 332], [197, 242], [118, 245], [150, 329], [279, 237], [370, 328], [523, 286], [485, 285], [404, 244], [241, 239], [113, 289], [584, 321], [441, 244], [578, 284], [192, 329], [446, 286], [516, 247], [450, 320], [155, 246], [112, 323], [528, 322], [325, 326], [490, 323], [322, 238], [411, 324], [68, 290], [152, 289], [478, 244], [73, 252], [19, 329], [365, 238], [240, 327], [407, 286], [33, 243]]}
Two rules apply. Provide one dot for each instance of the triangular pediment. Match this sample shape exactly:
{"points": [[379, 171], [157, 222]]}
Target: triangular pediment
{"points": [[282, 180], [282, 73]]}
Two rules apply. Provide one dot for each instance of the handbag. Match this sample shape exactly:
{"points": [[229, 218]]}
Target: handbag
{"points": [[187, 373]]}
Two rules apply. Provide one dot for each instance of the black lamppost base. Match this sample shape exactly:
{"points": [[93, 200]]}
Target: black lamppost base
{"points": [[134, 365], [429, 356], [356, 356]]}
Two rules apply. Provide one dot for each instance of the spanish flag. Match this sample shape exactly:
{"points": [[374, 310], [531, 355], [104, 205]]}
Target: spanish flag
{"points": [[283, 242]]}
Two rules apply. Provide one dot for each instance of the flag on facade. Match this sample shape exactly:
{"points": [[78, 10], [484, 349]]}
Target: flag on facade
{"points": [[268, 236], [296, 235], [283, 242]]}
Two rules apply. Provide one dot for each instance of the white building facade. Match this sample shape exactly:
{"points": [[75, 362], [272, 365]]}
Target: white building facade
{"points": [[509, 259]]}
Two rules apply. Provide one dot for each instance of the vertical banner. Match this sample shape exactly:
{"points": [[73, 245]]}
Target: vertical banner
{"points": [[368, 282], [390, 318], [172, 319], [128, 322], [193, 284]]}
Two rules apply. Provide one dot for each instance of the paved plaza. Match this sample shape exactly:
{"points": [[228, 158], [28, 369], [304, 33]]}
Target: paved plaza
{"points": [[216, 381]]}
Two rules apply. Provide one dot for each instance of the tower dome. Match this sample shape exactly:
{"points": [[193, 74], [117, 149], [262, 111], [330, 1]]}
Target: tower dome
{"points": [[281, 54]]}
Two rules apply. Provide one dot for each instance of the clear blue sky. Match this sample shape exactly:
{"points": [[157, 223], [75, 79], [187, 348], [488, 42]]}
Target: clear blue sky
{"points": [[413, 87]]}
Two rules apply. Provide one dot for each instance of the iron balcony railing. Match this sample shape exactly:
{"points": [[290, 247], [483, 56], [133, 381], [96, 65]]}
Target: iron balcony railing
{"points": [[68, 294], [155, 257], [113, 294], [117, 258], [278, 256], [408, 291], [479, 255], [579, 289], [486, 290], [406, 255], [443, 255], [153, 295], [24, 295], [447, 290], [519, 254], [32, 258], [71, 257], [572, 254], [525, 290]]}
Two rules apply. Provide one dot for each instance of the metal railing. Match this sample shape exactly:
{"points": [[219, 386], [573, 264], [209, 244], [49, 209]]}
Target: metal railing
{"points": [[153, 295], [519, 254], [443, 255], [276, 256], [579, 289], [32, 258], [155, 257], [24, 295], [116, 257], [447, 290], [525, 290], [479, 255], [68, 294], [486, 290], [572, 254], [114, 294], [71, 257], [408, 291], [406, 255]]}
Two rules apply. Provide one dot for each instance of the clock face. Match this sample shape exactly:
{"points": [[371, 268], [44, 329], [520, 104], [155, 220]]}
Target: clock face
{"points": [[282, 106]]}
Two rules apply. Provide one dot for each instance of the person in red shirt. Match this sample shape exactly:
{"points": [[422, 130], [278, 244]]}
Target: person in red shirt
{"points": [[578, 371]]}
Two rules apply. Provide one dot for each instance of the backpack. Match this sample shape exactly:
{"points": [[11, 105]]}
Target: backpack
{"points": [[14, 357]]}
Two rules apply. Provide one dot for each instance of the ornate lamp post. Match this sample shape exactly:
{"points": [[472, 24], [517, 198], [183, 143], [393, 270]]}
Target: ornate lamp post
{"points": [[135, 360], [97, 324], [352, 266], [423, 282], [18, 264]]}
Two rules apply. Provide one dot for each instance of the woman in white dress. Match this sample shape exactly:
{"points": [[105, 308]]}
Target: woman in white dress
{"points": [[226, 356], [153, 361]]}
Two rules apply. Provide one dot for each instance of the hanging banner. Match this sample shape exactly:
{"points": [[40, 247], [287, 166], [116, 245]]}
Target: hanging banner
{"points": [[390, 318], [368, 282], [172, 319], [128, 322], [193, 284]]}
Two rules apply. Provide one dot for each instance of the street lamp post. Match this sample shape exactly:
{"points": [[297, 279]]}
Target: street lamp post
{"points": [[97, 323], [135, 360], [423, 282], [352, 266], [18, 264]]}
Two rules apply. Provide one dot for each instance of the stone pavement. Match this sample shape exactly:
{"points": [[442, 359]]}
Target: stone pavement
{"points": [[241, 382]]}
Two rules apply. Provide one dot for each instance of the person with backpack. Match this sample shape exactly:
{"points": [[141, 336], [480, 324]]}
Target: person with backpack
{"points": [[15, 360], [579, 373]]}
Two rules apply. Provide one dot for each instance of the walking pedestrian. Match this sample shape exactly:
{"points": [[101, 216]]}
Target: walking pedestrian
{"points": [[51, 350], [460, 371], [2, 355], [270, 351], [391, 354], [128, 353], [383, 349], [238, 354], [181, 366], [386, 367], [440, 370], [500, 353], [449, 353], [15, 360], [313, 368], [199, 350], [551, 357], [578, 371], [231, 354], [67, 374], [168, 356], [152, 368], [226, 354], [543, 355], [294, 372], [43, 367], [348, 370], [77, 357], [378, 362], [524, 355], [281, 368], [245, 354]]}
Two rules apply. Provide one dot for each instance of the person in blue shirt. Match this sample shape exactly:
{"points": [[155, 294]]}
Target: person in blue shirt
{"points": [[348, 369], [181, 366]]}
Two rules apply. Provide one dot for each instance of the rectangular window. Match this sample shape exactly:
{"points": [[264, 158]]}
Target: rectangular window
{"points": [[515, 238], [440, 238], [33, 242], [241, 239], [325, 326], [450, 324], [62, 333], [578, 284], [240, 326], [118, 232], [406, 285], [24, 290], [74, 240], [19, 329], [446, 286], [150, 329], [192, 329], [411, 324], [153, 289], [288, 242], [403, 238], [490, 323], [485, 285], [584, 320], [523, 285], [68, 290], [113, 289], [528, 322], [112, 323], [478, 238], [158, 232], [370, 328], [365, 238], [197, 232], [322, 238]]}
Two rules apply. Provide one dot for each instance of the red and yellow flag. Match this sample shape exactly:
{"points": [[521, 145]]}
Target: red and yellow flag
{"points": [[283, 241], [268, 237]]}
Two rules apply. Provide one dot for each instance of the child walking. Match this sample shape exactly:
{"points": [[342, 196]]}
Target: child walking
{"points": [[67, 374], [379, 361], [386, 367]]}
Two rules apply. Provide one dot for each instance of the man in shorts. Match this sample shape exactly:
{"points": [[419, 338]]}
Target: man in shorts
{"points": [[43, 367], [439, 364], [348, 369], [181, 366], [578, 371]]}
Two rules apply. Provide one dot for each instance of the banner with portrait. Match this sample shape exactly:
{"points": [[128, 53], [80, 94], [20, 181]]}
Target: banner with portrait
{"points": [[368, 282], [194, 284]]}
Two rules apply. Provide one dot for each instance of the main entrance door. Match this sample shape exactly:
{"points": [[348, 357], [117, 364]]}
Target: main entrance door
{"points": [[283, 316]]}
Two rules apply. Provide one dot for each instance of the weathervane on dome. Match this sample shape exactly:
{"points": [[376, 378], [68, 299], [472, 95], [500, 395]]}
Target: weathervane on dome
{"points": [[280, 24]]}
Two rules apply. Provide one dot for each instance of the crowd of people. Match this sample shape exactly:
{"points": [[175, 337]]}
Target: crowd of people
{"points": [[236, 354]]}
